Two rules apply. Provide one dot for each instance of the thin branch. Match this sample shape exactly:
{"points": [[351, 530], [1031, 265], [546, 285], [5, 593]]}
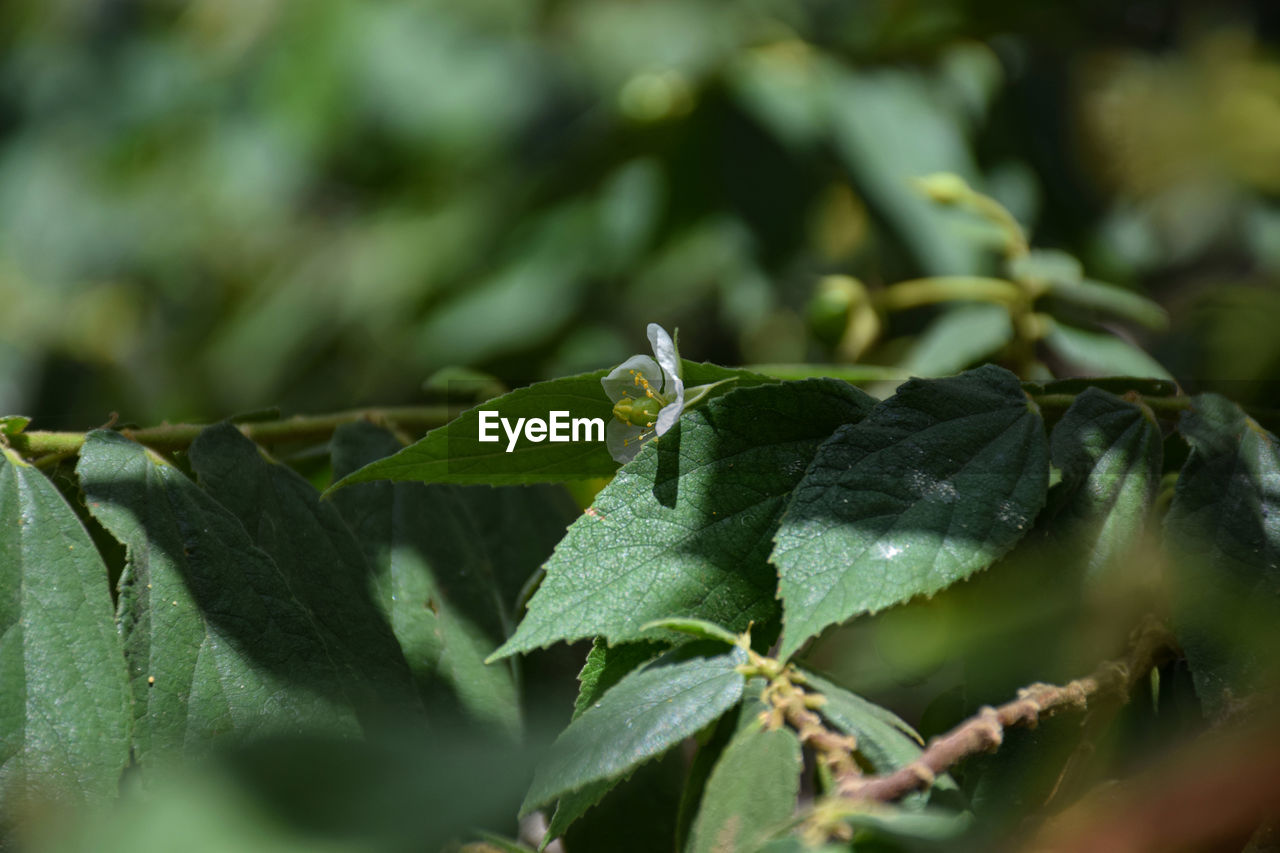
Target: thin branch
{"points": [[1151, 645], [167, 437]]}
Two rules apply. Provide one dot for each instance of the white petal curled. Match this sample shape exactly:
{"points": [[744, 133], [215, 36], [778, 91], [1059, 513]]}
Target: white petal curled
{"points": [[621, 381], [664, 350]]}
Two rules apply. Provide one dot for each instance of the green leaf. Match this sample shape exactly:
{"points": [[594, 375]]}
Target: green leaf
{"points": [[218, 646], [960, 337], [751, 792], [320, 562], [1110, 453], [700, 628], [455, 454], [607, 665], [1223, 533], [448, 564], [1102, 353], [64, 704], [890, 126], [935, 484], [884, 740], [13, 424], [683, 530], [645, 714]]}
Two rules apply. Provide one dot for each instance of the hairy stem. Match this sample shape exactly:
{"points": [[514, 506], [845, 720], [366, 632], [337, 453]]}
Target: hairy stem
{"points": [[1151, 645]]}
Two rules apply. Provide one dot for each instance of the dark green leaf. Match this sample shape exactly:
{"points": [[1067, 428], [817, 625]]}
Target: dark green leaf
{"points": [[455, 454], [320, 562], [645, 714], [684, 529], [885, 741], [64, 692], [935, 484], [1223, 530], [448, 564], [1110, 454], [751, 792], [218, 646]]}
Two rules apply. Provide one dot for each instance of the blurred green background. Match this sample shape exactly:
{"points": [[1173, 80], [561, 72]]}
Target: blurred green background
{"points": [[218, 205]]}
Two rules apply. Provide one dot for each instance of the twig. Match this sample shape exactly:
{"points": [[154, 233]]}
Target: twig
{"points": [[1151, 644], [166, 437]]}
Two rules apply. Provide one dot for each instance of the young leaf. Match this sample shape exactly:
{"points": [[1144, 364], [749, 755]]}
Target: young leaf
{"points": [[217, 644], [645, 714], [64, 705], [960, 337], [1102, 353], [448, 564], [935, 484], [455, 454], [1223, 530], [1110, 455], [13, 424], [320, 561], [684, 529], [699, 628], [751, 792]]}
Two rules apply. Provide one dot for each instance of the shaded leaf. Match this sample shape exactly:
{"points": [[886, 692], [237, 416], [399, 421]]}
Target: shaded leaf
{"points": [[751, 792], [64, 706], [1223, 530], [606, 665], [320, 561], [684, 529], [448, 563], [935, 484], [455, 454], [1110, 454], [645, 714], [218, 646]]}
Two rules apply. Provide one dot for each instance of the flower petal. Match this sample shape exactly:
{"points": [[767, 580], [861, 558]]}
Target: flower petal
{"points": [[664, 350], [621, 382], [668, 416], [624, 440]]}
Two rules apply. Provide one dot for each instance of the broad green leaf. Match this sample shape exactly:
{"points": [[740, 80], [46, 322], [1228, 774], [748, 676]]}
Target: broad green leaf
{"points": [[960, 337], [751, 792], [448, 563], [1223, 531], [1110, 454], [455, 454], [645, 714], [885, 741], [64, 692], [607, 665], [890, 126], [217, 644], [1102, 353], [683, 530], [935, 484], [321, 564]]}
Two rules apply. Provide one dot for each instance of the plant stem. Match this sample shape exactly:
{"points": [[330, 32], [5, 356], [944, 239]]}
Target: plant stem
{"points": [[1151, 644], [168, 437]]}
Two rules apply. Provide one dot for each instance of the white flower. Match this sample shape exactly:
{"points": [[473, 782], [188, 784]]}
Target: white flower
{"points": [[647, 394]]}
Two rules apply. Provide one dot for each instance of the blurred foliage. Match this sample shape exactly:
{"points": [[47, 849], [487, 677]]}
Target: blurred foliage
{"points": [[215, 205]]}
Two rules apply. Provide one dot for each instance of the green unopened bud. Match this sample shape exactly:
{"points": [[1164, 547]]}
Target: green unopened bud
{"points": [[944, 187], [642, 412]]}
